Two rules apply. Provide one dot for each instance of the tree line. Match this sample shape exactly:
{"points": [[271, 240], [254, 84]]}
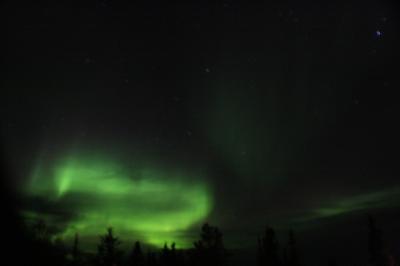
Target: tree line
{"points": [[208, 250]]}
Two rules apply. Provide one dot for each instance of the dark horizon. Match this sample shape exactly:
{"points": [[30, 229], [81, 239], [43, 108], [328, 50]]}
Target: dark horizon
{"points": [[332, 250]]}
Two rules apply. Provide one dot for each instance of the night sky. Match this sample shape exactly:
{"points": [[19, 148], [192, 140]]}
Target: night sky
{"points": [[155, 118]]}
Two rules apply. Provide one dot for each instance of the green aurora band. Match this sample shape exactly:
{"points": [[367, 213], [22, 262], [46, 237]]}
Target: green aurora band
{"points": [[385, 198], [147, 204]]}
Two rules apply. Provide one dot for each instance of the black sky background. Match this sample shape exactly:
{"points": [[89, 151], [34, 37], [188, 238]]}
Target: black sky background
{"points": [[314, 87]]}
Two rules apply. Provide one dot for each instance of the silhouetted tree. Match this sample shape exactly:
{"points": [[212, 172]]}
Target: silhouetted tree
{"points": [[268, 248], [168, 255], [42, 251], [210, 250], [108, 253], [136, 258], [75, 251], [290, 252], [375, 245]]}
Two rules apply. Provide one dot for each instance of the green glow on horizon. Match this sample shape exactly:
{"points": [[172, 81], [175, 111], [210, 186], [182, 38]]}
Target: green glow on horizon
{"points": [[147, 204], [349, 204]]}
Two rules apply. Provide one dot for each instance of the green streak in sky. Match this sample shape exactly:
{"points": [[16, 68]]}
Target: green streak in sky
{"points": [[346, 205], [147, 204]]}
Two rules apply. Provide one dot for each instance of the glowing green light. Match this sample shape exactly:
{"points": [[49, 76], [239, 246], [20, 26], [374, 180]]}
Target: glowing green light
{"points": [[349, 204], [148, 204]]}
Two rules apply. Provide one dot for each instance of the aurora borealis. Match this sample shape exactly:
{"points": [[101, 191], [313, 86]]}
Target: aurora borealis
{"points": [[143, 203], [156, 118]]}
